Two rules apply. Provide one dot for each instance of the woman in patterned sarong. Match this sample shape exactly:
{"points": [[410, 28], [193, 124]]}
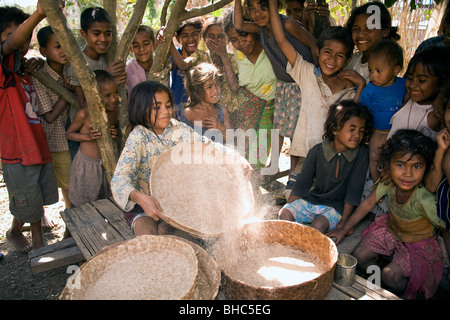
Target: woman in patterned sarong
{"points": [[256, 93]]}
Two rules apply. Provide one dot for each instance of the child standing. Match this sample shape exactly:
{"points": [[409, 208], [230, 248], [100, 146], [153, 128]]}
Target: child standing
{"points": [[427, 73], [384, 95], [408, 231], [154, 132], [188, 35], [54, 110], [25, 155], [142, 48], [97, 33], [321, 87], [87, 176], [288, 96], [203, 87], [366, 35], [337, 165]]}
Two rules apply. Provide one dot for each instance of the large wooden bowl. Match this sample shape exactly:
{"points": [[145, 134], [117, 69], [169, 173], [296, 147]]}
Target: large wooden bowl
{"points": [[202, 190], [167, 270], [293, 235]]}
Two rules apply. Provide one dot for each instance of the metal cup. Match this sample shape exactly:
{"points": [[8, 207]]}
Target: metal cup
{"points": [[344, 274]]}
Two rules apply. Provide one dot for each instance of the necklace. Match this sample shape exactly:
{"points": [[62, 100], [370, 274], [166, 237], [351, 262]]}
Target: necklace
{"points": [[409, 115]]}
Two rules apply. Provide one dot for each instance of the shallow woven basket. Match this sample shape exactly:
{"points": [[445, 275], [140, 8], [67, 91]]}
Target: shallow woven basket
{"points": [[208, 278], [87, 275], [306, 239], [177, 184]]}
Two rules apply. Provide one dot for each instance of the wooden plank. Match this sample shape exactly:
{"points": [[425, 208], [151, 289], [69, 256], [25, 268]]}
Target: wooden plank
{"points": [[335, 294], [65, 243], [72, 226], [56, 259], [386, 294], [114, 216]]}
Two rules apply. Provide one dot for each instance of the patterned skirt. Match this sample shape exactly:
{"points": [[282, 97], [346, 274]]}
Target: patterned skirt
{"points": [[286, 108], [257, 114]]}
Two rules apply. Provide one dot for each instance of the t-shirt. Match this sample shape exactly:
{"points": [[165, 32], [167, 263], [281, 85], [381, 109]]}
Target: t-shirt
{"points": [[22, 138], [332, 189], [383, 102]]}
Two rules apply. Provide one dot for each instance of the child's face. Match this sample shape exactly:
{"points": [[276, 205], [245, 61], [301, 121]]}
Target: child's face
{"points": [[245, 44], [212, 91], [365, 37], [407, 172], [98, 37], [110, 95], [350, 135], [162, 112], [7, 32], [259, 14], [421, 85], [381, 72], [142, 47], [332, 57], [53, 51], [294, 10], [189, 38]]}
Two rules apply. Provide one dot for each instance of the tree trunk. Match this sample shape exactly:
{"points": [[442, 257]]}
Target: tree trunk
{"points": [[119, 50], [97, 113]]}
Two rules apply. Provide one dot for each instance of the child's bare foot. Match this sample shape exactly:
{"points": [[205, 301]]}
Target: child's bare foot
{"points": [[46, 222], [18, 240]]}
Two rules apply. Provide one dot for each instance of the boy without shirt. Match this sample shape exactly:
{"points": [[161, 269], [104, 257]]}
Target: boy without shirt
{"points": [[87, 177]]}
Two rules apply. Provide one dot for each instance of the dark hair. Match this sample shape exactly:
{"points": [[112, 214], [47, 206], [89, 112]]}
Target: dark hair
{"points": [[301, 2], [264, 5], [340, 113], [10, 15], [142, 101], [436, 61], [442, 102], [391, 50], [228, 24], [337, 33], [43, 35], [103, 76], [94, 14], [196, 78], [407, 141], [193, 22], [148, 30], [212, 21], [385, 18]]}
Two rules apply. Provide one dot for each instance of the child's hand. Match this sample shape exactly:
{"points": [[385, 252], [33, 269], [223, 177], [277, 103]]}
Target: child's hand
{"points": [[212, 123], [160, 37], [443, 139], [338, 234], [113, 131], [94, 134], [117, 70], [216, 47], [34, 64], [352, 76], [67, 83]]}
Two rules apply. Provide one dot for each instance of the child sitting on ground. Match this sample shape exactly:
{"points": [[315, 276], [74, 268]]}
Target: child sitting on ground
{"points": [[408, 231], [337, 166], [88, 177]]}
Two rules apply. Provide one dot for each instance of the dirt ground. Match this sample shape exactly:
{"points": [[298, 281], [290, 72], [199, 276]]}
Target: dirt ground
{"points": [[17, 282]]}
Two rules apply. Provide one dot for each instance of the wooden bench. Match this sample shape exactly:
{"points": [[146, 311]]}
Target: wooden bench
{"points": [[92, 226]]}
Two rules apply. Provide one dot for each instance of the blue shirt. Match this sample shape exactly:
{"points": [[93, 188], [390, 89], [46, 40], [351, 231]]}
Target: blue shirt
{"points": [[383, 102]]}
